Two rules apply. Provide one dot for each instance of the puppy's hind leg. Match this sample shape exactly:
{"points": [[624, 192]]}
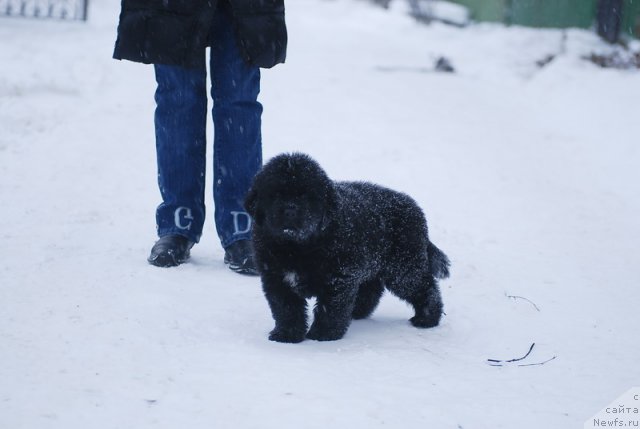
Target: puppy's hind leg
{"points": [[368, 298], [428, 309], [420, 289]]}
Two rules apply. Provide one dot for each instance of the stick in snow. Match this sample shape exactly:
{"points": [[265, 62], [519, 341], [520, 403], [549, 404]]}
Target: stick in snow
{"points": [[522, 297], [512, 360], [539, 363], [498, 362]]}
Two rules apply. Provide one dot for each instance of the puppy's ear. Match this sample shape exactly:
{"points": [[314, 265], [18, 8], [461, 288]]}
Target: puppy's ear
{"points": [[251, 206], [331, 205]]}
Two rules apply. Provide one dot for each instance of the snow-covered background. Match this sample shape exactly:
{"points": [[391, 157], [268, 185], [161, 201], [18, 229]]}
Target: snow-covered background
{"points": [[529, 177]]}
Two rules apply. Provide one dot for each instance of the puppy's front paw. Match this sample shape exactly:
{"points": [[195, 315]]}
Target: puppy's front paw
{"points": [[323, 334], [286, 335]]}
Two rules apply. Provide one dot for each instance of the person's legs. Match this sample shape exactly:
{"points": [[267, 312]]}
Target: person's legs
{"points": [[180, 125], [237, 122]]}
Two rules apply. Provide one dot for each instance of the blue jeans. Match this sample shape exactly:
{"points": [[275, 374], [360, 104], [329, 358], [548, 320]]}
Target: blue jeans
{"points": [[180, 124]]}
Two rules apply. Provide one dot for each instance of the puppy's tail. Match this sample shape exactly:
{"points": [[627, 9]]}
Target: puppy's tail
{"points": [[438, 261]]}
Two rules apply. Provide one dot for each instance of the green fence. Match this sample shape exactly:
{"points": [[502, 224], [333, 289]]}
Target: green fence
{"points": [[550, 13], [631, 17]]}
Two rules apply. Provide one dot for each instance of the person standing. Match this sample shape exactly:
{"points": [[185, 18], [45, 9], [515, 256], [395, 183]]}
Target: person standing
{"points": [[609, 19], [244, 36]]}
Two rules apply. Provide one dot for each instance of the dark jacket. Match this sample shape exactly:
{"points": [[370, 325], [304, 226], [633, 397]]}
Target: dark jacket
{"points": [[175, 32]]}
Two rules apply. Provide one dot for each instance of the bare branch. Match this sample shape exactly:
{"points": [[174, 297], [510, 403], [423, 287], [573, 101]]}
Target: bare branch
{"points": [[522, 297], [513, 360], [539, 363]]}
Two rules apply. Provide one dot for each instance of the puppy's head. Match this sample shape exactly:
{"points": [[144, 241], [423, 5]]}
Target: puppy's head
{"points": [[291, 198]]}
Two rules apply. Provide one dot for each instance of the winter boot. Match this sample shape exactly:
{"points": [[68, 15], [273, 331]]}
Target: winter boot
{"points": [[239, 257], [170, 251]]}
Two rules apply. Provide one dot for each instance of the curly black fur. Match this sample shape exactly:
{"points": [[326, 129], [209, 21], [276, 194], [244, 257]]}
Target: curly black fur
{"points": [[342, 242]]}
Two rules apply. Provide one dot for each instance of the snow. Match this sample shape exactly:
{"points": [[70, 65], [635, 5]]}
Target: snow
{"points": [[528, 175]]}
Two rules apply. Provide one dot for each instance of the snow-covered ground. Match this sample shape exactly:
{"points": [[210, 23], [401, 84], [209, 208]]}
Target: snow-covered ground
{"points": [[529, 178]]}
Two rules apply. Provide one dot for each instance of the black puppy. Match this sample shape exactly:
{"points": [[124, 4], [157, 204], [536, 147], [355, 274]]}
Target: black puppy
{"points": [[342, 242]]}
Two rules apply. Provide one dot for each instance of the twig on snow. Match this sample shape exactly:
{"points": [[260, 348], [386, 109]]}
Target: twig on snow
{"points": [[539, 363], [498, 362], [522, 297]]}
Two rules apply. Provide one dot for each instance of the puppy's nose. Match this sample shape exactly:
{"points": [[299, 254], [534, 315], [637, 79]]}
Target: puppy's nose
{"points": [[290, 211]]}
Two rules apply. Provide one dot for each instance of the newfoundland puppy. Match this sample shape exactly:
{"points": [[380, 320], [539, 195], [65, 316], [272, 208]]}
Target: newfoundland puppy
{"points": [[341, 242]]}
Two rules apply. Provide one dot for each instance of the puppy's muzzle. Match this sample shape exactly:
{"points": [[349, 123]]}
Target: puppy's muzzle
{"points": [[290, 212]]}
